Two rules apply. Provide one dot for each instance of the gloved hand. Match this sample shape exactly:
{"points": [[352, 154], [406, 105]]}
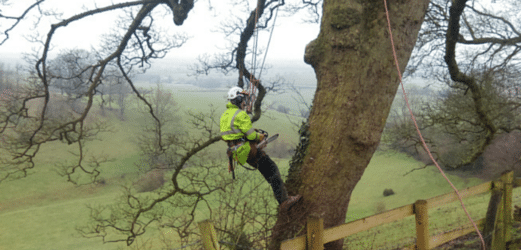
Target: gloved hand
{"points": [[261, 137]]}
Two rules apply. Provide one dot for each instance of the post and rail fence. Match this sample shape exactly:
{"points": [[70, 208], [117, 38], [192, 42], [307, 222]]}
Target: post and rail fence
{"points": [[497, 224]]}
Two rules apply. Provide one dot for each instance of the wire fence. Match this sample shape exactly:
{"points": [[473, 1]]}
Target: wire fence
{"points": [[198, 242], [237, 245], [185, 246]]}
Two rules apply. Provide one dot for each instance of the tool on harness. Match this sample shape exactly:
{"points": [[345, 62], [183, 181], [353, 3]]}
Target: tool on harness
{"points": [[231, 166], [232, 147]]}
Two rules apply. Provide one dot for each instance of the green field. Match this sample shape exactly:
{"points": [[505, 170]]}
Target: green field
{"points": [[42, 210]]}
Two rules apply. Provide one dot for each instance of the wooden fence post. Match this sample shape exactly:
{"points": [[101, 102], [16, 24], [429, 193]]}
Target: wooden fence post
{"points": [[315, 233], [507, 179], [422, 224], [209, 235], [491, 218], [503, 223]]}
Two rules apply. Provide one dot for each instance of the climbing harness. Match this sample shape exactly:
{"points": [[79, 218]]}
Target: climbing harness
{"points": [[251, 96], [234, 145]]}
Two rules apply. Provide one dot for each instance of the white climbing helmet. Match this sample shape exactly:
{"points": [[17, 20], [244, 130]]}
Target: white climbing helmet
{"points": [[233, 92]]}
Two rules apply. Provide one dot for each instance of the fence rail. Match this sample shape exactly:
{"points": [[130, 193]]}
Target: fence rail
{"points": [[498, 221], [420, 210]]}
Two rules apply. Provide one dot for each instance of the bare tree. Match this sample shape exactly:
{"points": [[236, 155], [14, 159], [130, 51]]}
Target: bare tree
{"points": [[479, 72], [69, 72], [456, 117], [139, 43], [166, 110], [114, 89], [354, 64], [7, 78], [400, 133]]}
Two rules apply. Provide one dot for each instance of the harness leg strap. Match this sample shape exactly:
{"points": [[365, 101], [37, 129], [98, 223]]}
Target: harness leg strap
{"points": [[231, 166]]}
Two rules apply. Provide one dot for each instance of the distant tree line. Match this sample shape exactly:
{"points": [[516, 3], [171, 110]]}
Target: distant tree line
{"points": [[200, 81]]}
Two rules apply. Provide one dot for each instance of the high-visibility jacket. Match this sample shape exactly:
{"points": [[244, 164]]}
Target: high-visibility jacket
{"points": [[235, 124]]}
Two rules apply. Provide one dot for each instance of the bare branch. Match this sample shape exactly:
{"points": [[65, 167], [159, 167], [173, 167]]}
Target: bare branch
{"points": [[18, 19]]}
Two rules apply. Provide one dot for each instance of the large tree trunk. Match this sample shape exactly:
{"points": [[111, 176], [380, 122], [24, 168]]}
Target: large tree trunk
{"points": [[357, 81]]}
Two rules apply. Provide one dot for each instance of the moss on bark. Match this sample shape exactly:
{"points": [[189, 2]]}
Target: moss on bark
{"points": [[356, 83]]}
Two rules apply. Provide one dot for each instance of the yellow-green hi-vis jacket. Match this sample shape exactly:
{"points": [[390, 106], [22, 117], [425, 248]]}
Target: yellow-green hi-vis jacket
{"points": [[235, 124]]}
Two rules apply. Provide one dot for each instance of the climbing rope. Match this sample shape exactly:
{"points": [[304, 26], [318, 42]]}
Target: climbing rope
{"points": [[269, 41], [255, 43], [419, 133], [252, 81]]}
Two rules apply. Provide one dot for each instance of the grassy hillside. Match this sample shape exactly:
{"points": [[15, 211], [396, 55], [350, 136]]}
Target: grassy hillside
{"points": [[387, 171], [43, 210]]}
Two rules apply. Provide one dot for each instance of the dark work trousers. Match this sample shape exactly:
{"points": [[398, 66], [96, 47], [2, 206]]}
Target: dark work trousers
{"points": [[261, 161]]}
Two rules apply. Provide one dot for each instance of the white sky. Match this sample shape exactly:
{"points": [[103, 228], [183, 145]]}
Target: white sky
{"points": [[289, 39]]}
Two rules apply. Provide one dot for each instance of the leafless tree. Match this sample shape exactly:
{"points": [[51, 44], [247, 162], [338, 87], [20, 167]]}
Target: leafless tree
{"points": [[70, 71], [400, 133], [478, 73], [166, 110], [117, 91], [354, 65], [134, 44], [457, 118]]}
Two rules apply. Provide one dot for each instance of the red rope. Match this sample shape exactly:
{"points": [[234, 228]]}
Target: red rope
{"points": [[419, 133]]}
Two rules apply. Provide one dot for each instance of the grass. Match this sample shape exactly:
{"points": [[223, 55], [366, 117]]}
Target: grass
{"points": [[50, 226], [43, 210], [390, 173], [441, 219]]}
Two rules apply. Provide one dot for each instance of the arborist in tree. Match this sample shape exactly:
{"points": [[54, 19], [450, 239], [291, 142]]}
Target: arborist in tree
{"points": [[243, 140]]}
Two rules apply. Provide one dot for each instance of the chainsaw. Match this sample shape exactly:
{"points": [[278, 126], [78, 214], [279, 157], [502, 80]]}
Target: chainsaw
{"points": [[266, 139]]}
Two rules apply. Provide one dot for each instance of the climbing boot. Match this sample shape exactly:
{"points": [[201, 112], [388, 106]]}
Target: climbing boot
{"points": [[290, 202]]}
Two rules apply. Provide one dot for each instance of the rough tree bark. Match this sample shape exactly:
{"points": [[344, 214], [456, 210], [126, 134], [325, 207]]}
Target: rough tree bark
{"points": [[356, 83]]}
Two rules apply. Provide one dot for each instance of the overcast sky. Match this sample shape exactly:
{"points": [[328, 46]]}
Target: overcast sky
{"points": [[289, 39]]}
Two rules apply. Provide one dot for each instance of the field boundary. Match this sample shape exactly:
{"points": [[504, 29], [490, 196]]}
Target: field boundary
{"points": [[502, 223], [497, 224]]}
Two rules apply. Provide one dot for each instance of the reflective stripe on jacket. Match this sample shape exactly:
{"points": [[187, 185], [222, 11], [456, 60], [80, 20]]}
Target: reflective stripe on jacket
{"points": [[235, 124]]}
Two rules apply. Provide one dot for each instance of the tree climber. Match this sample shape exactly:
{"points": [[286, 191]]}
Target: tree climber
{"points": [[242, 140]]}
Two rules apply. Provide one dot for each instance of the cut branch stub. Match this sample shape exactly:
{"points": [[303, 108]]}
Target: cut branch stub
{"points": [[180, 9]]}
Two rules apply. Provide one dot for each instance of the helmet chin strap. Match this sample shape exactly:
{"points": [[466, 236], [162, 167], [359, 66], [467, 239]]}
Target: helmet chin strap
{"points": [[244, 101]]}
